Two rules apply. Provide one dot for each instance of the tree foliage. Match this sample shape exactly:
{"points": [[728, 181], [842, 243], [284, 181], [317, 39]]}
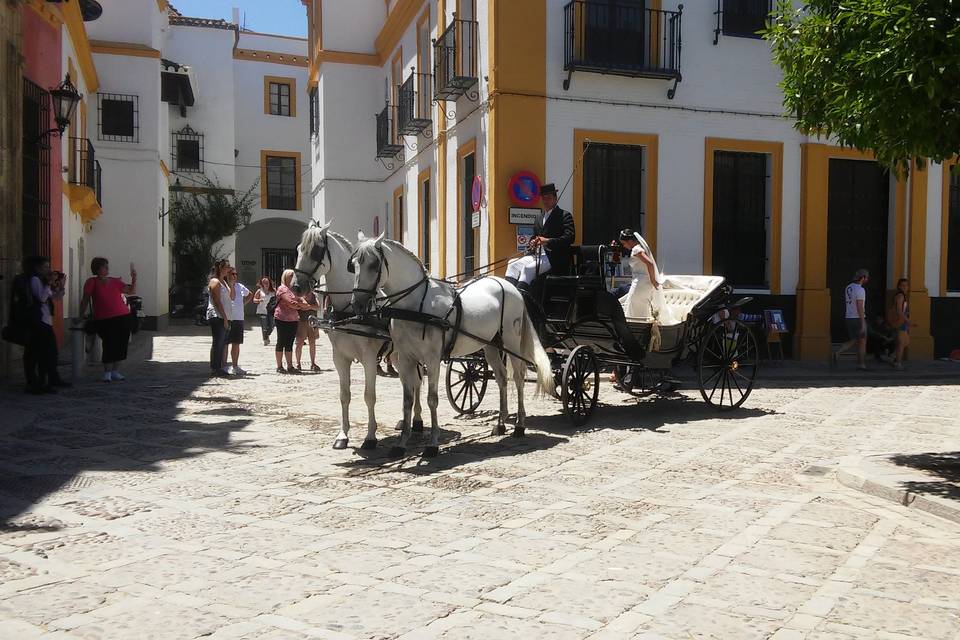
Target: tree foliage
{"points": [[200, 221], [880, 75]]}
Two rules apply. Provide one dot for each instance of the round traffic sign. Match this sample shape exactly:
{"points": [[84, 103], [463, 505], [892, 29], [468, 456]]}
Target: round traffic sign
{"points": [[476, 194], [524, 188]]}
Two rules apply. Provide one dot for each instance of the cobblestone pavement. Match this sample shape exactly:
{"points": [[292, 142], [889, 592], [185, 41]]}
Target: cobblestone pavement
{"points": [[172, 506]]}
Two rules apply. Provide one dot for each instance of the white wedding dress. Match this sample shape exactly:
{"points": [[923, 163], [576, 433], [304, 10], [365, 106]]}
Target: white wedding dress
{"points": [[644, 301]]}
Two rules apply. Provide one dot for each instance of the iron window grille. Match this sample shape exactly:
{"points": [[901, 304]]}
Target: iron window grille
{"points": [[741, 218], [314, 112], [455, 55], [187, 150], [741, 18], [621, 38], [279, 99], [413, 110], [386, 147], [281, 183], [118, 117], [36, 171], [82, 168]]}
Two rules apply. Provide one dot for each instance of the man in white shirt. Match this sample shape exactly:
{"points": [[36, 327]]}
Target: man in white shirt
{"points": [[855, 317]]}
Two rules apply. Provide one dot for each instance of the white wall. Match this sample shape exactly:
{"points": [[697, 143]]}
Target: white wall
{"points": [[135, 21], [352, 26]]}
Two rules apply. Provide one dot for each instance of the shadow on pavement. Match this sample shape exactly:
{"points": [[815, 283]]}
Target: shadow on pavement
{"points": [[942, 468], [63, 443]]}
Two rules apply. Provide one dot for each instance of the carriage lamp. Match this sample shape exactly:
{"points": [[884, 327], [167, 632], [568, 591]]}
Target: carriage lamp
{"points": [[65, 98]]}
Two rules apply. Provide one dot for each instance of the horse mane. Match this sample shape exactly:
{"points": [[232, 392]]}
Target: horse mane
{"points": [[342, 239], [396, 245]]}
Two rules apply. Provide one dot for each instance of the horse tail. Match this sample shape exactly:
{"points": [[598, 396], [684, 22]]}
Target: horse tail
{"points": [[532, 350]]}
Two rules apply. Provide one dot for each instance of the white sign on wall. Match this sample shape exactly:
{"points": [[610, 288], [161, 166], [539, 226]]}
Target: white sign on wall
{"points": [[524, 215], [475, 220]]}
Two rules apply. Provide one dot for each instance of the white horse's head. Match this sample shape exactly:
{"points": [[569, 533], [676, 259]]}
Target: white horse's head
{"points": [[313, 257], [369, 266]]}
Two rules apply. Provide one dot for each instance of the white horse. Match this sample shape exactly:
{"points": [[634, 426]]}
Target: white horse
{"points": [[325, 254], [488, 310]]}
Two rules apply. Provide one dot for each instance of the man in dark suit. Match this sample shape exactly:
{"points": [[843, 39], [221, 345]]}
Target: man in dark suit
{"points": [[549, 249]]}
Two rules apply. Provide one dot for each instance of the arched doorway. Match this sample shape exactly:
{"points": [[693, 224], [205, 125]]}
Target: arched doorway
{"points": [[266, 247]]}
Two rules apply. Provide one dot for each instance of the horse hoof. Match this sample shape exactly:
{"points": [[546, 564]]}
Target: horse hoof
{"points": [[418, 426], [369, 444], [340, 443], [519, 432], [501, 429], [398, 452], [431, 452]]}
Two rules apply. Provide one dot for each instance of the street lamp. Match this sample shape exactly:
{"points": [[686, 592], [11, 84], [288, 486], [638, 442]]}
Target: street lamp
{"points": [[65, 98]]}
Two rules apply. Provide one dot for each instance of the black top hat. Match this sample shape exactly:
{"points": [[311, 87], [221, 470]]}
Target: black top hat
{"points": [[548, 190]]}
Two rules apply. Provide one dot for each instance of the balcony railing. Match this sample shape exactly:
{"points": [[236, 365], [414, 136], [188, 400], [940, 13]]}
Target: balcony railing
{"points": [[83, 167], [622, 39], [387, 147], [413, 105], [455, 56], [741, 18]]}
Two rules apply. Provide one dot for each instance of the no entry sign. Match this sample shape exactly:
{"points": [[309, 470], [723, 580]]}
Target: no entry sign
{"points": [[476, 194], [524, 189]]}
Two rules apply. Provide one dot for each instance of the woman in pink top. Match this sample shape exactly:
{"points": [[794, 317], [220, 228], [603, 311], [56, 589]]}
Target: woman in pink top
{"points": [[287, 317], [111, 315]]}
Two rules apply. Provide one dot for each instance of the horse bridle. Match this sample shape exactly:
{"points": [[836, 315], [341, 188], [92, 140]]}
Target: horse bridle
{"points": [[380, 265], [318, 255]]}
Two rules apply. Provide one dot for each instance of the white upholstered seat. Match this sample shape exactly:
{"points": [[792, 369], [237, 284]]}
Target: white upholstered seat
{"points": [[682, 293]]}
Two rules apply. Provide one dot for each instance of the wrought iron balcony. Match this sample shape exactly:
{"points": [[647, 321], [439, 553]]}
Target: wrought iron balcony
{"points": [[98, 180], [622, 39], [741, 18], [388, 145], [83, 168], [414, 107], [455, 56]]}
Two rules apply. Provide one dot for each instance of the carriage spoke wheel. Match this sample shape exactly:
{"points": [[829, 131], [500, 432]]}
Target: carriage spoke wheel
{"points": [[466, 384], [580, 385], [727, 363]]}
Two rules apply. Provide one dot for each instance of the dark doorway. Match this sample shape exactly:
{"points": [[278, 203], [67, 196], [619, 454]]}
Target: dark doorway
{"points": [[740, 218], [467, 244], [274, 261], [613, 191], [858, 209], [36, 171]]}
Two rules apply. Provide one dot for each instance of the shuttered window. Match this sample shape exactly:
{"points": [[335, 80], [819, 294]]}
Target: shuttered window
{"points": [[613, 191], [741, 216]]}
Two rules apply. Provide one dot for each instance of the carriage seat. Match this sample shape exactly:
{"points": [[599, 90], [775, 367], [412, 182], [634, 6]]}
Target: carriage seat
{"points": [[682, 293]]}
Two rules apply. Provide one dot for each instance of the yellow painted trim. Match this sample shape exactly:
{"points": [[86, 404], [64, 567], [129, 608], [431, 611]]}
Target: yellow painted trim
{"points": [[398, 223], [423, 67], [256, 55], [947, 167], [441, 206], [123, 49], [83, 201], [422, 177], [921, 342], [78, 36], [264, 153], [517, 108], [651, 143], [291, 82], [162, 5], [164, 169], [47, 12], [349, 57], [403, 14], [775, 151], [464, 150]]}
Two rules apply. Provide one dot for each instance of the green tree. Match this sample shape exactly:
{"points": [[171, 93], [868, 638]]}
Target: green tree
{"points": [[200, 220], [880, 75]]}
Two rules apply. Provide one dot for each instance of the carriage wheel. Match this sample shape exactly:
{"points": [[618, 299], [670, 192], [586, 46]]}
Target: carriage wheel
{"points": [[466, 384], [580, 385], [727, 363]]}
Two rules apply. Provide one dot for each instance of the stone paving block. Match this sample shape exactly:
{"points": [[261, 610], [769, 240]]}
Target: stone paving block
{"points": [[881, 614], [580, 598]]}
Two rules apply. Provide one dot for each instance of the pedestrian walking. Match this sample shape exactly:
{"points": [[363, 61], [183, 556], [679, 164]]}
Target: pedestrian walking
{"points": [[900, 315], [218, 316], [239, 297], [264, 294], [307, 333], [855, 297], [287, 318], [111, 314], [41, 287]]}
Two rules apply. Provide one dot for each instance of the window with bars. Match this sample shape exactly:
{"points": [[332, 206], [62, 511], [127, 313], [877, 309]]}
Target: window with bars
{"points": [[743, 18], [614, 178], [118, 117], [279, 99], [953, 234], [281, 183], [188, 150], [314, 112], [741, 216]]}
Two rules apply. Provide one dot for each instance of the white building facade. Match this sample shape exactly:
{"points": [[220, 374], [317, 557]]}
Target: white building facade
{"points": [[657, 115]]}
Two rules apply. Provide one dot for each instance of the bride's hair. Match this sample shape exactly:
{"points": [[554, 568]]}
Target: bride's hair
{"points": [[627, 234]]}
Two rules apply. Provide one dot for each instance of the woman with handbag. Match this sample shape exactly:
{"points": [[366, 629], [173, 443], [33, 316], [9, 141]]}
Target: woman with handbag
{"points": [[111, 314]]}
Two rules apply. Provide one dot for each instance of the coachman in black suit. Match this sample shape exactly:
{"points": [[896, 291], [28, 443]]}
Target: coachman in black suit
{"points": [[553, 232]]}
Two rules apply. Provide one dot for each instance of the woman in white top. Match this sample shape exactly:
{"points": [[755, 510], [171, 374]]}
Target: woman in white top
{"points": [[218, 316], [239, 296], [265, 293], [645, 297]]}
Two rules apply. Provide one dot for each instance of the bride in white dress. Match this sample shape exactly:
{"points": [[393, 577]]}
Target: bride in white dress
{"points": [[645, 297]]}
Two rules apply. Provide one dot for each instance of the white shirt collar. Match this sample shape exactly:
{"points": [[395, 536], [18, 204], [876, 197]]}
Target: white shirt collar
{"points": [[547, 214]]}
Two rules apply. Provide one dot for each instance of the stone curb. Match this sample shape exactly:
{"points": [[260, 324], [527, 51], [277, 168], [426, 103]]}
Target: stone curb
{"points": [[876, 476]]}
